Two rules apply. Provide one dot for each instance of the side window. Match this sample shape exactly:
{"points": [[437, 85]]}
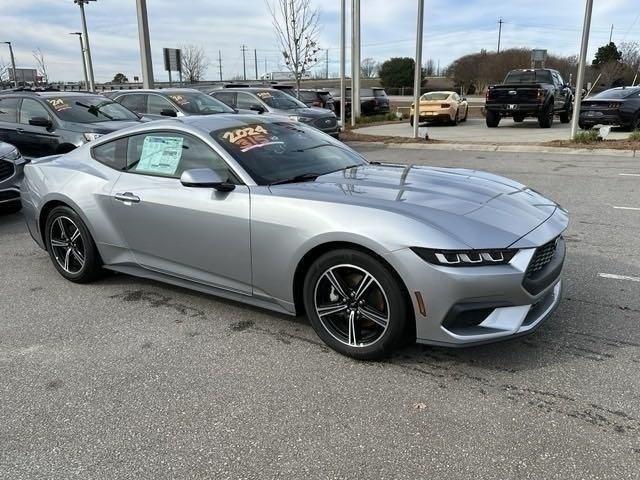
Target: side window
{"points": [[156, 103], [246, 101], [227, 97], [30, 109], [112, 154], [135, 102], [560, 80], [9, 110], [456, 97], [168, 154]]}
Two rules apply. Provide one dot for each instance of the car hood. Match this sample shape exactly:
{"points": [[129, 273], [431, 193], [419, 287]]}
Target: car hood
{"points": [[479, 209], [307, 112], [104, 127]]}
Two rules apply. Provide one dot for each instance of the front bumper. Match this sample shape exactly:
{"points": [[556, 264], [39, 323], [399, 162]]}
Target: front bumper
{"points": [[10, 181], [468, 306]]}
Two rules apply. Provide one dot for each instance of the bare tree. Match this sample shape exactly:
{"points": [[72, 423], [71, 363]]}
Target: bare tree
{"points": [[296, 26], [430, 67], [194, 63], [369, 68], [41, 65], [4, 73]]}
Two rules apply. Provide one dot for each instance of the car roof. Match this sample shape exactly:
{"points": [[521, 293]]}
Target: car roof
{"points": [[50, 94], [161, 91], [448, 92], [218, 121], [250, 89]]}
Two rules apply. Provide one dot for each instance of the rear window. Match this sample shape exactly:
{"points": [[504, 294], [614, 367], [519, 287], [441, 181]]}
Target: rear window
{"points": [[89, 109], [616, 93], [307, 96], [529, 76], [379, 92], [366, 92], [8, 109], [435, 96]]}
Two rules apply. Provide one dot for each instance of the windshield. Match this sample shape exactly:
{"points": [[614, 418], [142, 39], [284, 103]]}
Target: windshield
{"points": [[280, 100], [273, 152], [529, 76], [89, 109], [617, 93], [198, 103], [437, 96]]}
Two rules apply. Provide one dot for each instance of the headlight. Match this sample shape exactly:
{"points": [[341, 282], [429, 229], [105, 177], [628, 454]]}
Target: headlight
{"points": [[295, 118], [13, 155], [90, 137], [465, 258]]}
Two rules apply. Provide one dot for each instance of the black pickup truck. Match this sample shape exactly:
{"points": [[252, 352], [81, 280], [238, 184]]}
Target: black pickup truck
{"points": [[540, 93]]}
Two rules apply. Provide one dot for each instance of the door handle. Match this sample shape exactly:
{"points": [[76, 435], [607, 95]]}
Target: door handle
{"points": [[19, 130], [127, 197]]}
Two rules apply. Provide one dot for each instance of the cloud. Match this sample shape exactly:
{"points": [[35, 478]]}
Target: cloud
{"points": [[452, 28]]}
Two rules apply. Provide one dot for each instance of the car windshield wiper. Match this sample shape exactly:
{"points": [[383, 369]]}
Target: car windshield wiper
{"points": [[95, 109], [305, 177]]}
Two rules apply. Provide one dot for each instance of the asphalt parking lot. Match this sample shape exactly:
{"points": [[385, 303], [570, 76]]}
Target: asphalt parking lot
{"points": [[128, 378], [474, 130]]}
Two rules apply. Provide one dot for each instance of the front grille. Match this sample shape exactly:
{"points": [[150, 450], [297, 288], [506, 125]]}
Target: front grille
{"points": [[542, 257], [325, 123], [6, 169]]}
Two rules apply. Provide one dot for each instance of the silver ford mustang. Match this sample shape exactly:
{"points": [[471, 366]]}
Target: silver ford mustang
{"points": [[277, 214]]}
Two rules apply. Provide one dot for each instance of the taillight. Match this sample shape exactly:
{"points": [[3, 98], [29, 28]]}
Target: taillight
{"points": [[614, 105], [445, 105], [488, 94]]}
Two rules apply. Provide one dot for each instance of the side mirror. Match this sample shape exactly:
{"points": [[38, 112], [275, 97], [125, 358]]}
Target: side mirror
{"points": [[464, 99], [257, 108], [205, 178], [40, 122], [168, 112]]}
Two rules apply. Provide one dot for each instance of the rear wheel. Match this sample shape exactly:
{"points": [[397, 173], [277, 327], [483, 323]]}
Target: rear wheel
{"points": [[466, 114], [456, 118], [355, 304], [545, 118], [565, 117], [70, 246], [492, 119]]}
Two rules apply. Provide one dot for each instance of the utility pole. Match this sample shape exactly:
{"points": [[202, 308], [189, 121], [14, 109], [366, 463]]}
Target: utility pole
{"points": [[87, 51], [84, 63], [145, 44], [438, 71], [417, 81], [355, 61], [500, 22], [581, 63], [265, 68], [255, 60], [220, 63], [13, 65], [326, 63], [343, 61], [611, 34], [244, 61]]}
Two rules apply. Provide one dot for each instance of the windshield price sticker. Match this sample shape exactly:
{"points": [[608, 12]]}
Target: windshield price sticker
{"points": [[179, 99], [249, 138], [58, 104], [160, 155]]}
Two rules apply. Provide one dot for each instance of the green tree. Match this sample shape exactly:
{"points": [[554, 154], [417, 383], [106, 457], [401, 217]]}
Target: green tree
{"points": [[398, 72], [607, 53], [119, 78]]}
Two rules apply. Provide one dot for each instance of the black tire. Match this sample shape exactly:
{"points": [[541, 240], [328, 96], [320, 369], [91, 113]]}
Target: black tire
{"points": [[565, 117], [384, 296], [518, 118], [456, 119], [466, 114], [10, 208], [545, 118], [492, 119], [82, 247], [411, 120]]}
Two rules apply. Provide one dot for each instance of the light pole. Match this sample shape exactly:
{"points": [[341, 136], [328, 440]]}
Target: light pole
{"points": [[145, 44], [84, 63], [417, 82], [81, 3], [581, 63], [13, 65], [355, 61], [343, 61]]}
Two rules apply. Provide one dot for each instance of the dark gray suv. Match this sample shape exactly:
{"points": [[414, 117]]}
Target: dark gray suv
{"points": [[48, 123], [275, 102]]}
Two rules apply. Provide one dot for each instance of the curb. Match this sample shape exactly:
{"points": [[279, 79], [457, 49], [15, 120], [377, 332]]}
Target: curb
{"points": [[501, 148]]}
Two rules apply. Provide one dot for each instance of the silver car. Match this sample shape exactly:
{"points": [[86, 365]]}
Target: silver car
{"points": [[11, 165], [276, 214]]}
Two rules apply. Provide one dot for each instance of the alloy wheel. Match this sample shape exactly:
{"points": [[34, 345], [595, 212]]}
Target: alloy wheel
{"points": [[67, 245], [351, 305]]}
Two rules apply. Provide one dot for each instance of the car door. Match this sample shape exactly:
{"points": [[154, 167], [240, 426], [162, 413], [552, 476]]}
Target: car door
{"points": [[135, 102], [157, 104], [198, 234], [226, 97], [32, 140], [9, 119], [247, 101]]}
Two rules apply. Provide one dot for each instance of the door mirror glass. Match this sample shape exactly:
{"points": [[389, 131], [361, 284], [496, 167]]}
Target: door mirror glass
{"points": [[40, 122], [205, 178], [168, 112]]}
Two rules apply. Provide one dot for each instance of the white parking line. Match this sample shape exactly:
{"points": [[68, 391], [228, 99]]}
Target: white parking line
{"points": [[627, 208], [629, 174], [619, 277]]}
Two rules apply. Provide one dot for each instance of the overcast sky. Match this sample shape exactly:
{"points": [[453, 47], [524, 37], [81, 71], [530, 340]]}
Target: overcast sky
{"points": [[452, 28]]}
